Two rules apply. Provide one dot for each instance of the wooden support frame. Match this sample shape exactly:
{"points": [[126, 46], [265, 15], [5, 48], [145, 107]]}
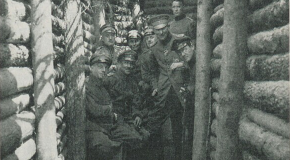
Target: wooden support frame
{"points": [[42, 59], [232, 79], [202, 90], [75, 78]]}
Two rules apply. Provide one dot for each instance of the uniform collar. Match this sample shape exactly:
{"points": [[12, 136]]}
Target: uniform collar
{"points": [[167, 40], [180, 17], [96, 81]]}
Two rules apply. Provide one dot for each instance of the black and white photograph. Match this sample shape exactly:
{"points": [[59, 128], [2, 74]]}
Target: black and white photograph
{"points": [[144, 80]]}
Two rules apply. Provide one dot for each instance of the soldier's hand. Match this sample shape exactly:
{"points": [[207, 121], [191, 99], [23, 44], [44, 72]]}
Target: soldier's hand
{"points": [[176, 65], [154, 92], [137, 121]]}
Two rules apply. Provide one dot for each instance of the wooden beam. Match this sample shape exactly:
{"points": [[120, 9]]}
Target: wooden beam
{"points": [[75, 78], [99, 18], [202, 93], [42, 59], [232, 79]]}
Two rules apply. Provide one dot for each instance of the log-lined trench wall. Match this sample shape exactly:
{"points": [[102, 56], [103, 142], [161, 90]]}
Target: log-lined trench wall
{"points": [[17, 110], [264, 125]]}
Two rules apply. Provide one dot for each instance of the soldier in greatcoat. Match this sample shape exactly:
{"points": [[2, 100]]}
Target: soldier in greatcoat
{"points": [[169, 106], [106, 134], [127, 100]]}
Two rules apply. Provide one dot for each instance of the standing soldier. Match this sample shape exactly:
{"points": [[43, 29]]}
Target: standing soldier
{"points": [[124, 91], [169, 104], [107, 39], [181, 25]]}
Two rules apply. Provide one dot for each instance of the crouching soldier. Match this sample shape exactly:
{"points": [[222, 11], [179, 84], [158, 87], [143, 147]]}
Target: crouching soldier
{"points": [[124, 91], [105, 134]]}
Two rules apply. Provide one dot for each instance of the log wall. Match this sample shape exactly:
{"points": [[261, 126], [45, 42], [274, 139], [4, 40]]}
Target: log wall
{"points": [[264, 126], [17, 110]]}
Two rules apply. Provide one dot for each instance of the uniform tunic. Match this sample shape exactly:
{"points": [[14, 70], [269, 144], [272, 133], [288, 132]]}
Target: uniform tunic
{"points": [[104, 136], [182, 25]]}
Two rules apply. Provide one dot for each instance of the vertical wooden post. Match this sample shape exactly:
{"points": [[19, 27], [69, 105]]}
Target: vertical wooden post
{"points": [[232, 79], [99, 18], [202, 93], [75, 78], [42, 58]]}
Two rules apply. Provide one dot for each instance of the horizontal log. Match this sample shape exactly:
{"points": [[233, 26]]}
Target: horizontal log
{"points": [[14, 104], [124, 25], [215, 108], [14, 9], [271, 96], [59, 88], [150, 4], [274, 147], [87, 18], [270, 42], [269, 122], [168, 10], [245, 154], [217, 19], [59, 102], [58, 40], [60, 131], [257, 4], [15, 130], [62, 144], [26, 151], [215, 65], [56, 11], [121, 10], [260, 67], [218, 36], [88, 27], [58, 25], [274, 15], [14, 80], [268, 68], [60, 116], [13, 55], [121, 18], [89, 37], [217, 8], [217, 51], [59, 72], [14, 31], [63, 154], [216, 96]]}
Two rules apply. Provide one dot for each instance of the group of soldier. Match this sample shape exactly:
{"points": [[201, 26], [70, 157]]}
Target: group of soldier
{"points": [[140, 103]]}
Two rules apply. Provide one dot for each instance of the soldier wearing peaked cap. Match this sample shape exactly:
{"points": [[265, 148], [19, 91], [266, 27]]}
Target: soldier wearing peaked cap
{"points": [[167, 115], [181, 25], [99, 112], [107, 39], [127, 101]]}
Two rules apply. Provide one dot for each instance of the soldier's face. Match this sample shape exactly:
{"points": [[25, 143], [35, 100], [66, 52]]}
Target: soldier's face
{"points": [[162, 33], [151, 40], [99, 70], [108, 38], [134, 43], [187, 53], [127, 67], [177, 8]]}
